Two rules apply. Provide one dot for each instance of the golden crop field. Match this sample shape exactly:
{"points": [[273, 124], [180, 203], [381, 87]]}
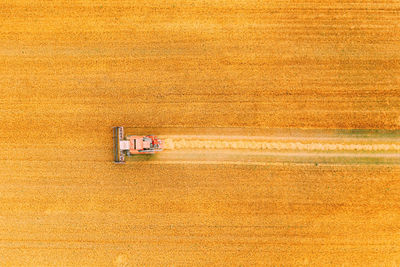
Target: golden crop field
{"points": [[71, 70]]}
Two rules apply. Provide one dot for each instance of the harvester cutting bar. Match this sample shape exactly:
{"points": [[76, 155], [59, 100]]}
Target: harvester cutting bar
{"points": [[118, 137]]}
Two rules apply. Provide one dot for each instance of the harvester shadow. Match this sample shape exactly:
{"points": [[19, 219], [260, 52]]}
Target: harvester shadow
{"points": [[145, 157]]}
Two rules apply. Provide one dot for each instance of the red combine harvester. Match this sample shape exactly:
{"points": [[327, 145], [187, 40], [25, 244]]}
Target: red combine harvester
{"points": [[133, 145]]}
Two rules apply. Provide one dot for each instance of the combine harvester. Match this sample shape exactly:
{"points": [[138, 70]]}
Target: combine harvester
{"points": [[133, 145]]}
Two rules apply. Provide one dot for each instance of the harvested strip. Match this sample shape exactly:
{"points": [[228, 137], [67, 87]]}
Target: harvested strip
{"points": [[181, 143]]}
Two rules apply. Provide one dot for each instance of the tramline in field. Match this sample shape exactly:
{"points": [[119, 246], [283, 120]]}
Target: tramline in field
{"points": [[133, 144]]}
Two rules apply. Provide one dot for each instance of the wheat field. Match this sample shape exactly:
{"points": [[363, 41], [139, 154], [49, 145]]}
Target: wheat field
{"points": [[71, 70]]}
